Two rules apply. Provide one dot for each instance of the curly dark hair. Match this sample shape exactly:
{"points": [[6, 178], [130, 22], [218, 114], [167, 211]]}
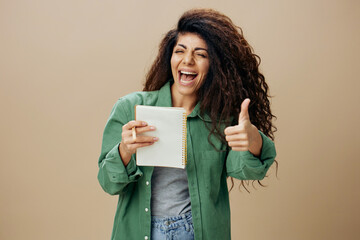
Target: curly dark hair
{"points": [[233, 73]]}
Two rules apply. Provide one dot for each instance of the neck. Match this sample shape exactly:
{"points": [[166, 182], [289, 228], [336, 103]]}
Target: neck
{"points": [[187, 102]]}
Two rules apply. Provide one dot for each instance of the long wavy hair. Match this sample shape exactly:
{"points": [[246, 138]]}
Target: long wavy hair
{"points": [[233, 73]]}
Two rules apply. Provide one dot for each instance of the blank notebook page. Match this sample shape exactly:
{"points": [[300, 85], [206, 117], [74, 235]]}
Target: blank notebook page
{"points": [[170, 124]]}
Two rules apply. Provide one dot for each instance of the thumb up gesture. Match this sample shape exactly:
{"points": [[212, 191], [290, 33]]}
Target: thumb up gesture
{"points": [[244, 136]]}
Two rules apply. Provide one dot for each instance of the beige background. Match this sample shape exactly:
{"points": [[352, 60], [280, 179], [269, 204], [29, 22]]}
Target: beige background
{"points": [[63, 64]]}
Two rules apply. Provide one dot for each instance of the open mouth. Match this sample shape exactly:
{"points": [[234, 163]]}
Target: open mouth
{"points": [[187, 78]]}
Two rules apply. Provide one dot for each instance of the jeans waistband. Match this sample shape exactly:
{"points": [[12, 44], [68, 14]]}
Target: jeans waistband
{"points": [[172, 221]]}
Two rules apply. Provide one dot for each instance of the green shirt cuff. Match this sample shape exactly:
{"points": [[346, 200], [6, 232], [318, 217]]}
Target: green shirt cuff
{"points": [[117, 171]]}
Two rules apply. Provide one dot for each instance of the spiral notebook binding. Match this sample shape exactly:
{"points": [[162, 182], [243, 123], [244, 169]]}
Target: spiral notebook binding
{"points": [[184, 145]]}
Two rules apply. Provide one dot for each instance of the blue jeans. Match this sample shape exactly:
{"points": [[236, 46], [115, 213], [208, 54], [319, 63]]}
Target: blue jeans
{"points": [[172, 228]]}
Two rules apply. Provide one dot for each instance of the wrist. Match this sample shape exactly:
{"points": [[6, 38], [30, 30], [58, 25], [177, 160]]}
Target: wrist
{"points": [[124, 155], [256, 142]]}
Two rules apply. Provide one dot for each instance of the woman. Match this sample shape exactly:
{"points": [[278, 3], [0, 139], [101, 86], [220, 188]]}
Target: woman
{"points": [[205, 66]]}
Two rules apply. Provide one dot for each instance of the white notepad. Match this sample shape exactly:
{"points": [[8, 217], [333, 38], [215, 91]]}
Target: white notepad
{"points": [[170, 124]]}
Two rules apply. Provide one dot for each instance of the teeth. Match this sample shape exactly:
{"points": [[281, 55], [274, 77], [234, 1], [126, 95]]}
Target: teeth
{"points": [[188, 73]]}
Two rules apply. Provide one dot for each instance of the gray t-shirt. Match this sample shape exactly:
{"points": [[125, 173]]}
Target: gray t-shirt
{"points": [[169, 192]]}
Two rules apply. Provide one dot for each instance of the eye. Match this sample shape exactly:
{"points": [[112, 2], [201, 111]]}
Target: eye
{"points": [[178, 51], [202, 55]]}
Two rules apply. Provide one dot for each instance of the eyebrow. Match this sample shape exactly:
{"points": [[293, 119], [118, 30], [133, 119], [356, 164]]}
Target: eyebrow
{"points": [[197, 48]]}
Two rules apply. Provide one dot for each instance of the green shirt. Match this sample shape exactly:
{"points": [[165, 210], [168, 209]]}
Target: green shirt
{"points": [[207, 171]]}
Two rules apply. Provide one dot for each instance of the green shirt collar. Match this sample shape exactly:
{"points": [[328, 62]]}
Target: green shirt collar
{"points": [[196, 112], [164, 100]]}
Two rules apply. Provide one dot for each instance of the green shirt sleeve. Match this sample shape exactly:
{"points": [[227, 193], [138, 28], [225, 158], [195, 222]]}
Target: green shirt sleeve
{"points": [[113, 176], [245, 166]]}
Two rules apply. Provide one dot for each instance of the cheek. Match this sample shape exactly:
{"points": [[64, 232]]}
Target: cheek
{"points": [[205, 66], [174, 65], [205, 69], [174, 61]]}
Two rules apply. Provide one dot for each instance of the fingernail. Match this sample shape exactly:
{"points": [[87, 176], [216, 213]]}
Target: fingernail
{"points": [[152, 127], [144, 123], [155, 138]]}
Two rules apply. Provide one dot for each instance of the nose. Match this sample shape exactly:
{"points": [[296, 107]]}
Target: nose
{"points": [[188, 59]]}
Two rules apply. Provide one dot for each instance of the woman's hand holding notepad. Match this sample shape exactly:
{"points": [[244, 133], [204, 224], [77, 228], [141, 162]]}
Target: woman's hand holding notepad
{"points": [[132, 139]]}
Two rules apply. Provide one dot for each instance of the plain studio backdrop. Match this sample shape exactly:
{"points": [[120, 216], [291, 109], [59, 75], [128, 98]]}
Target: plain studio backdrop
{"points": [[63, 64]]}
